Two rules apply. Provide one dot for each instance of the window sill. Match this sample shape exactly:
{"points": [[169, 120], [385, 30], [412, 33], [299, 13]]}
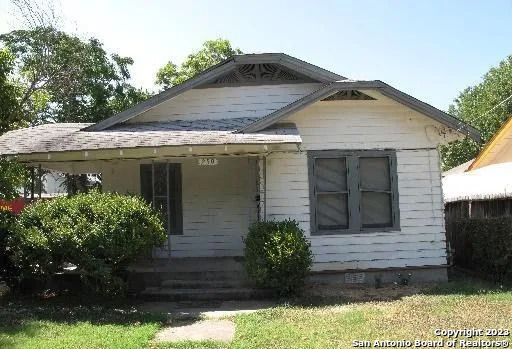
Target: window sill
{"points": [[355, 232]]}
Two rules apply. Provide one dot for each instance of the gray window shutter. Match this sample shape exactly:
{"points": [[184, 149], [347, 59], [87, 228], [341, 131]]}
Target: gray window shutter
{"points": [[175, 200]]}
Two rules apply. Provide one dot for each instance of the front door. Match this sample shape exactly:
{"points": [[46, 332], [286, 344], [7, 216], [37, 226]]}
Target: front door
{"points": [[161, 185]]}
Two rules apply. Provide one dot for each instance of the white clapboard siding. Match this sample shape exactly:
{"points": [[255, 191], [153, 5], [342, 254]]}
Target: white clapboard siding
{"points": [[227, 102], [367, 125], [218, 203], [385, 263], [382, 124]]}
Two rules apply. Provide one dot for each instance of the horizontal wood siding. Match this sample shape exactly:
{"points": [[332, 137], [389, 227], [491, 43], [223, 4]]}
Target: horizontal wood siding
{"points": [[421, 238], [218, 203], [227, 102]]}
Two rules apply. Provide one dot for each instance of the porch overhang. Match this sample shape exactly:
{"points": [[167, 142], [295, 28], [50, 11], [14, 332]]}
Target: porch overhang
{"points": [[86, 161], [51, 144]]}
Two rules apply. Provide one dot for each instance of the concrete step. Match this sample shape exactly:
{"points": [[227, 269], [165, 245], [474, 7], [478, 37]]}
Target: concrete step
{"points": [[219, 275], [194, 294], [202, 284], [190, 264]]}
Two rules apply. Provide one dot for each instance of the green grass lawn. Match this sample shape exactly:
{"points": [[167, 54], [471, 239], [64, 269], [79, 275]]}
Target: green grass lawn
{"points": [[458, 306], [42, 326]]}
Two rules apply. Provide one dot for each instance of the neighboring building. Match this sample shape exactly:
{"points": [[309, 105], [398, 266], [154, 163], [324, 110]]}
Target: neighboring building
{"points": [[482, 187], [268, 136], [53, 184]]}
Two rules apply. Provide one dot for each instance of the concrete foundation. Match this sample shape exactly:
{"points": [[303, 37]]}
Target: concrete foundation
{"points": [[383, 276]]}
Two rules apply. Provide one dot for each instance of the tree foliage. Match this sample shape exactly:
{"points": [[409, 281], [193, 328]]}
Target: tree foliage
{"points": [[11, 115], [66, 79], [212, 52], [480, 106], [13, 176]]}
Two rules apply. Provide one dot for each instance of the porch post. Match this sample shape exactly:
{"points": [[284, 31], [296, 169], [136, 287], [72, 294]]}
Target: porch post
{"points": [[262, 184], [40, 178], [32, 183]]}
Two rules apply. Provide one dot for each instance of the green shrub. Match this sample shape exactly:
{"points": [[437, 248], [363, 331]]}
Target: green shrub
{"points": [[485, 245], [277, 256], [9, 272], [98, 233]]}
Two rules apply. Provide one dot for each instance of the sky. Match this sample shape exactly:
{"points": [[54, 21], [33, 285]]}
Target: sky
{"points": [[429, 49]]}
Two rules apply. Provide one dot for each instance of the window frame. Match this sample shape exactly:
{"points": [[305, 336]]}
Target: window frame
{"points": [[354, 190]]}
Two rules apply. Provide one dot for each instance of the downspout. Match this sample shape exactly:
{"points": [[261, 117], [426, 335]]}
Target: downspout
{"points": [[262, 188], [265, 188]]}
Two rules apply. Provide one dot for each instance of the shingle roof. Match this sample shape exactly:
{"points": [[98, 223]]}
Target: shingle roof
{"points": [[72, 137]]}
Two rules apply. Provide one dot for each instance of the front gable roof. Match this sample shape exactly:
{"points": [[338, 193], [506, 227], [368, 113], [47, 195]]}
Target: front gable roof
{"points": [[236, 69], [353, 85], [501, 142]]}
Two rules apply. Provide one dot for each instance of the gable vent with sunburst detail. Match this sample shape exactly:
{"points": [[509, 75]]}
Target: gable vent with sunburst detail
{"points": [[260, 73], [348, 95]]}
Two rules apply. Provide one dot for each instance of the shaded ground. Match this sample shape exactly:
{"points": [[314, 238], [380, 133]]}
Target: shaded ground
{"points": [[41, 325]]}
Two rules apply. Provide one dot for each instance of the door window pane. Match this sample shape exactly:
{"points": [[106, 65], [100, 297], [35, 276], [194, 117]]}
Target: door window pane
{"points": [[331, 174], [332, 212], [376, 210], [374, 173]]}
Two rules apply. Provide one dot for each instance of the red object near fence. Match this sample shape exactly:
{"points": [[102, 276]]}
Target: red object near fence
{"points": [[13, 206]]}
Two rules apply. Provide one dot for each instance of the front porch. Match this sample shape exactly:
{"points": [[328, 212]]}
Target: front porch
{"points": [[208, 196]]}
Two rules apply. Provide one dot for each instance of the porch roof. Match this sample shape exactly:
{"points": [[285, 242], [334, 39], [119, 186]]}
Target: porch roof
{"points": [[62, 137]]}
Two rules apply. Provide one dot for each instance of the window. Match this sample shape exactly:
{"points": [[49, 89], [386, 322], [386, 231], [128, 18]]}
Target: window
{"points": [[160, 185], [353, 191]]}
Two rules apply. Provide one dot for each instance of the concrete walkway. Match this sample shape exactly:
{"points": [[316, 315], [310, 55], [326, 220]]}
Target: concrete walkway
{"points": [[207, 309], [218, 330]]}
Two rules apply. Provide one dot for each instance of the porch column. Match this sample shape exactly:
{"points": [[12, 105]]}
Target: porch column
{"points": [[262, 187]]}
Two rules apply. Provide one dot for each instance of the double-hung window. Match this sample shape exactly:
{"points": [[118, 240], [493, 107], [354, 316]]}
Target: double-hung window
{"points": [[353, 191]]}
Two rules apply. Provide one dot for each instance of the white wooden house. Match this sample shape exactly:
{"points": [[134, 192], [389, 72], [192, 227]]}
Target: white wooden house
{"points": [[268, 136]]}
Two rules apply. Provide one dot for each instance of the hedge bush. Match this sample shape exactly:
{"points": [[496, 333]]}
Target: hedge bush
{"points": [[277, 256], [98, 233], [9, 272], [485, 245]]}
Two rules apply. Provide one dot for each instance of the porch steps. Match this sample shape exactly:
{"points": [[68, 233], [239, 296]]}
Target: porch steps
{"points": [[201, 294], [194, 284], [194, 279]]}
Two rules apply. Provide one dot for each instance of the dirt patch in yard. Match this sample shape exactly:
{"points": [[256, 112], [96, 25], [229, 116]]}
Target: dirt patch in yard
{"points": [[363, 293]]}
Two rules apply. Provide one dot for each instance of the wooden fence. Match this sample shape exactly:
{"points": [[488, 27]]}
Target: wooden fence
{"points": [[459, 246], [478, 209]]}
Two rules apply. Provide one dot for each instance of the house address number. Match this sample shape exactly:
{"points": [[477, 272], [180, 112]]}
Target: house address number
{"points": [[207, 162]]}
